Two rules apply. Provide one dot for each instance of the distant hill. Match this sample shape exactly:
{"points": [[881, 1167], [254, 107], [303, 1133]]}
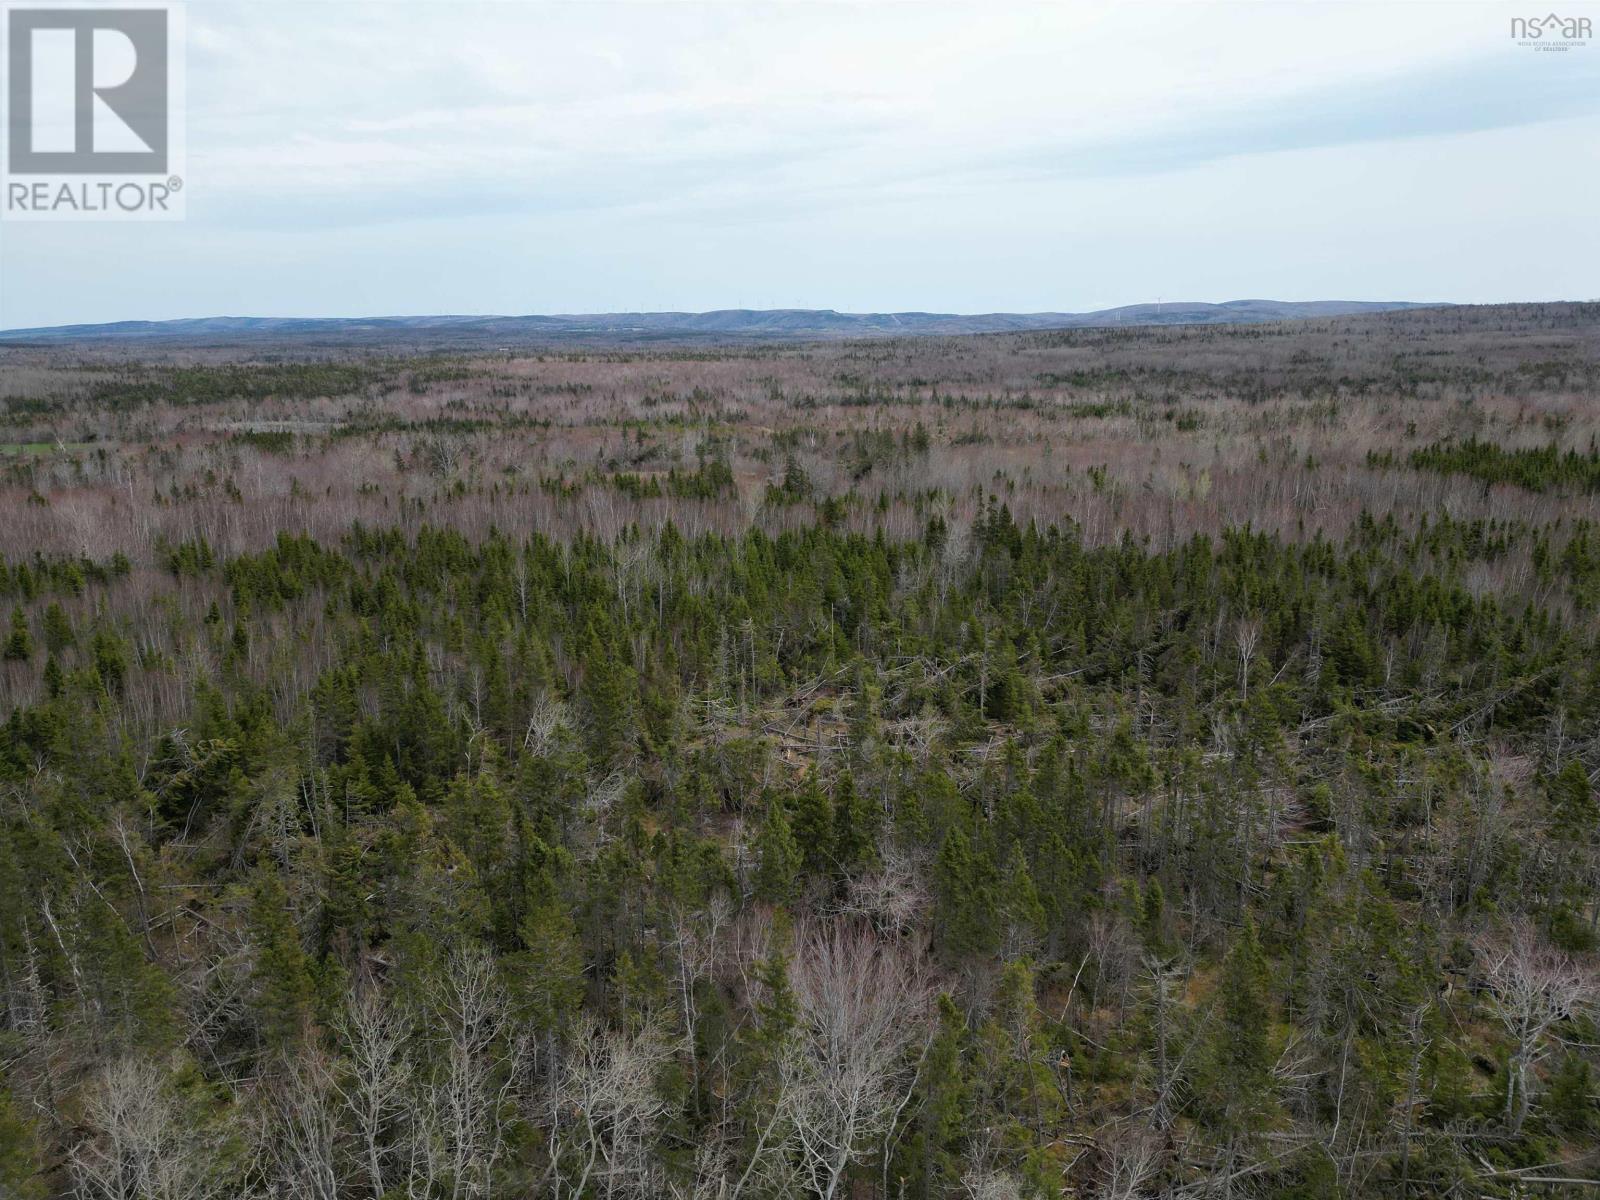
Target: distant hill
{"points": [[728, 323]]}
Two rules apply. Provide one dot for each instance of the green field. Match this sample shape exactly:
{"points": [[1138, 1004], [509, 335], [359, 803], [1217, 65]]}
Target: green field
{"points": [[21, 448]]}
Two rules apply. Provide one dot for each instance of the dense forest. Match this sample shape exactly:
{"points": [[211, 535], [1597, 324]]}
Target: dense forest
{"points": [[1111, 764]]}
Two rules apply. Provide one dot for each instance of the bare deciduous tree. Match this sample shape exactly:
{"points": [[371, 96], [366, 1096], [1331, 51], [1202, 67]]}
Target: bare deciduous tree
{"points": [[608, 1110], [373, 1084], [1535, 988], [1246, 636], [145, 1143], [1129, 1156], [461, 1129], [546, 719], [863, 1007], [987, 1183], [894, 895], [298, 1130]]}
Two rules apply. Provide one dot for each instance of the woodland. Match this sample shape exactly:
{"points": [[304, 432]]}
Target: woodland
{"points": [[1101, 763]]}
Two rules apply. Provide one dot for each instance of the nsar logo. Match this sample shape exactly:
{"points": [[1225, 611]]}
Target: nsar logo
{"points": [[1551, 32]]}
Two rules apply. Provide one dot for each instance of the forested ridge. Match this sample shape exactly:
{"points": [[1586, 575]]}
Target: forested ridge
{"points": [[894, 844]]}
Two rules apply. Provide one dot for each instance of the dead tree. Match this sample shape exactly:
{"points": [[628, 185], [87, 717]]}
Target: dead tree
{"points": [[1247, 634]]}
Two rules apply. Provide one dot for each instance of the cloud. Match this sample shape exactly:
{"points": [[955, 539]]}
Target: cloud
{"points": [[482, 109]]}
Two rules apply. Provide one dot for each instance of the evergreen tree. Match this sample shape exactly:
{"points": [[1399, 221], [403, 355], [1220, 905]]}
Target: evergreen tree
{"points": [[58, 633], [855, 830], [1242, 1055], [1574, 812], [1024, 911], [548, 973], [609, 692], [812, 826], [778, 859], [19, 646], [965, 917], [946, 1104], [284, 992], [21, 1165]]}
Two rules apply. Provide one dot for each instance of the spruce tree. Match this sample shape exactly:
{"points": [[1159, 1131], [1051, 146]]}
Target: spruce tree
{"points": [[1574, 813], [58, 633], [609, 695], [946, 1106], [778, 859], [283, 985], [21, 1163], [813, 827], [547, 973], [1019, 900], [1242, 1054], [19, 646], [855, 830]]}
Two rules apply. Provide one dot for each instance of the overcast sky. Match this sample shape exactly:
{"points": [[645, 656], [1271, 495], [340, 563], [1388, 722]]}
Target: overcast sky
{"points": [[516, 157]]}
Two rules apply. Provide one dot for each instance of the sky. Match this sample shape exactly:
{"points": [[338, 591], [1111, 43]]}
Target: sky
{"points": [[529, 156]]}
